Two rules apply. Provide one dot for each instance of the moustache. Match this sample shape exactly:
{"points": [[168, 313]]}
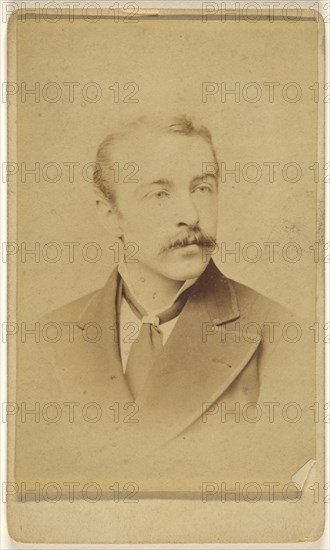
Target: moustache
{"points": [[193, 236]]}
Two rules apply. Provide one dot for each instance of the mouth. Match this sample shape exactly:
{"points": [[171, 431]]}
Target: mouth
{"points": [[189, 245], [190, 248], [194, 243]]}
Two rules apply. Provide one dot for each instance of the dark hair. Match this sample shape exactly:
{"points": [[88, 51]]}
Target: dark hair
{"points": [[181, 124]]}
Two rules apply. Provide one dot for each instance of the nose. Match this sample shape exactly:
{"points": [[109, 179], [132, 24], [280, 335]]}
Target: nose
{"points": [[187, 213]]}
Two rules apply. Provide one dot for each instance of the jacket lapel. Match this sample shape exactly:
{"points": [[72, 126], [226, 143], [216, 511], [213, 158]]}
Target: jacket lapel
{"points": [[202, 357], [105, 359]]}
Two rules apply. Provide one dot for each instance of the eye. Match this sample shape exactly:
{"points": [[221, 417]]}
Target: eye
{"points": [[203, 188], [159, 195]]}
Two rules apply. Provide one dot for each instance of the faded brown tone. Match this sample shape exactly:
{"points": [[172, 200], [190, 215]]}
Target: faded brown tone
{"points": [[256, 212]]}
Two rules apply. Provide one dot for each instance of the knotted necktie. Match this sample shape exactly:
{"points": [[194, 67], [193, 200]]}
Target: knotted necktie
{"points": [[149, 343]]}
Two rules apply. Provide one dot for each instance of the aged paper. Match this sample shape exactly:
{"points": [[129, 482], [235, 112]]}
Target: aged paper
{"points": [[165, 254]]}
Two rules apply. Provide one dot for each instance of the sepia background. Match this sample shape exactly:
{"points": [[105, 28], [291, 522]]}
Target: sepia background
{"points": [[165, 62], [148, 67]]}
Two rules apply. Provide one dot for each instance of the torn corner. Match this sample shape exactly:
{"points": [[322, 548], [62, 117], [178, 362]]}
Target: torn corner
{"points": [[302, 474]]}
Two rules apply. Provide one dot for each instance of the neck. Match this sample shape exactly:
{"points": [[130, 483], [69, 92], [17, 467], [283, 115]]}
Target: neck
{"points": [[152, 290]]}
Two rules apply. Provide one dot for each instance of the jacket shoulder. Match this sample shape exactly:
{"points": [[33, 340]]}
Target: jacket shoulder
{"points": [[257, 307], [72, 311]]}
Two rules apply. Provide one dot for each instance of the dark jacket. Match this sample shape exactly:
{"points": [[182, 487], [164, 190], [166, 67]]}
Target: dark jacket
{"points": [[229, 399]]}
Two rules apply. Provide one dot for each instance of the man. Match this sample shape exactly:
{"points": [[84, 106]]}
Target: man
{"points": [[202, 373]]}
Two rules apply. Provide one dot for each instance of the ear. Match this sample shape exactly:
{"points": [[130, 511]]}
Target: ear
{"points": [[108, 215]]}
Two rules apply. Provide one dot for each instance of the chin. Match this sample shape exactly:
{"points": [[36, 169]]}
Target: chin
{"points": [[188, 268]]}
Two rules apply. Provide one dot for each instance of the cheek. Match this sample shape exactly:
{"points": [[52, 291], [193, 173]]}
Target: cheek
{"points": [[151, 219], [208, 209], [147, 231]]}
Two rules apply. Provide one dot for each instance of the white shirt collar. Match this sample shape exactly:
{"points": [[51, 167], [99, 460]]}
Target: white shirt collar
{"points": [[123, 271]]}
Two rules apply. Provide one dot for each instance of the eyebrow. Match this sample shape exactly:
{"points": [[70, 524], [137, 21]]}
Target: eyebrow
{"points": [[160, 181], [165, 181], [207, 174]]}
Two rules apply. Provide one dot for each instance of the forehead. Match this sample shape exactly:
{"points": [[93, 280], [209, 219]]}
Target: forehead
{"points": [[163, 155]]}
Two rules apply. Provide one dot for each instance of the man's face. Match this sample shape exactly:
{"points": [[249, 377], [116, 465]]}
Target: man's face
{"points": [[165, 204]]}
